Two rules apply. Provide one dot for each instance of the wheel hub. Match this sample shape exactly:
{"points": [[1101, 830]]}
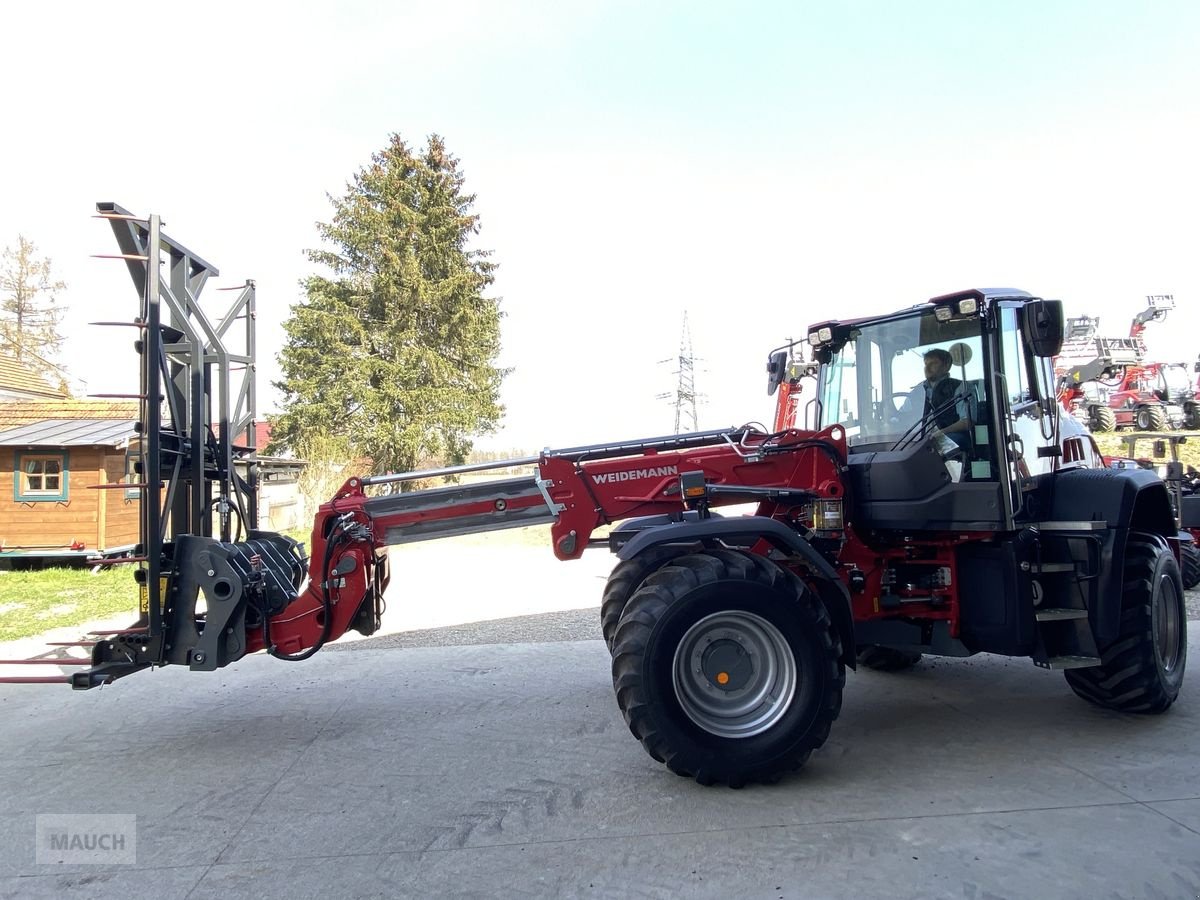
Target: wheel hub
{"points": [[727, 665], [734, 674]]}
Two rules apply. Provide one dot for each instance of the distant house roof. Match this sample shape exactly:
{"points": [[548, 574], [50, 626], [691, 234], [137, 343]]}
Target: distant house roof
{"points": [[262, 435], [26, 412], [69, 433], [18, 380]]}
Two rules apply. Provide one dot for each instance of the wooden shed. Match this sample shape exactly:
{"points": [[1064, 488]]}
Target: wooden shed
{"points": [[49, 468]]}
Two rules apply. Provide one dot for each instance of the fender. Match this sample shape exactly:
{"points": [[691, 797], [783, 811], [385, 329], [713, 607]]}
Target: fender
{"points": [[832, 590], [628, 529], [1126, 499]]}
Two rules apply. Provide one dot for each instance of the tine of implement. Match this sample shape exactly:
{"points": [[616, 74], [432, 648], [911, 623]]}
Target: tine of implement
{"points": [[134, 256], [82, 681], [141, 630], [71, 643], [37, 679], [45, 662], [117, 560], [119, 396], [122, 218], [124, 324], [119, 485]]}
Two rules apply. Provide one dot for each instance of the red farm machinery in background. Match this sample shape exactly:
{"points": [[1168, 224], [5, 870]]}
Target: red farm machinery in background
{"points": [[877, 533], [1109, 384]]}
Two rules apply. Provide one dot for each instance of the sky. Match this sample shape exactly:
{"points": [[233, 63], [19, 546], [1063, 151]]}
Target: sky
{"points": [[757, 167]]}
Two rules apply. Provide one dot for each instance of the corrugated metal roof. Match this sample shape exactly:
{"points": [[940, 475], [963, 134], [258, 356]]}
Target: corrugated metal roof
{"points": [[69, 433]]}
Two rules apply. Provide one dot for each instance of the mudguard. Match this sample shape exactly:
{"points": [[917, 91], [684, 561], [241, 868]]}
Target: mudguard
{"points": [[743, 529], [1127, 500]]}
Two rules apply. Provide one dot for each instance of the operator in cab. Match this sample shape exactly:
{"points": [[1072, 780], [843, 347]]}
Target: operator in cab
{"points": [[944, 421]]}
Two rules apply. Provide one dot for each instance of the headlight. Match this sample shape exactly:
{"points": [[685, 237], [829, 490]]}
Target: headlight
{"points": [[968, 306], [943, 313], [820, 336]]}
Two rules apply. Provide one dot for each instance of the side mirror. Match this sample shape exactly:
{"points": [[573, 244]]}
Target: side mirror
{"points": [[776, 369], [1043, 327]]}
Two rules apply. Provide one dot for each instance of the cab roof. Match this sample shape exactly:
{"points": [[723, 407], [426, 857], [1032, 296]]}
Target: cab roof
{"points": [[983, 295]]}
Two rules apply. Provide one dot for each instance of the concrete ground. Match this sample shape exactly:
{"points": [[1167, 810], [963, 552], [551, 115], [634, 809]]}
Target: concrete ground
{"points": [[461, 768]]}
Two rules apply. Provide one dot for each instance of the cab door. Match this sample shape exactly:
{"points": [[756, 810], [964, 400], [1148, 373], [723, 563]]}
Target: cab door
{"points": [[1024, 388]]}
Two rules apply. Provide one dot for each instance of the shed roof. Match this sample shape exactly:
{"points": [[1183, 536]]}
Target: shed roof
{"points": [[17, 377], [15, 413], [69, 433]]}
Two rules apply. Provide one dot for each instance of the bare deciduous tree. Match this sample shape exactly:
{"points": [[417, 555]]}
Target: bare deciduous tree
{"points": [[30, 310]]}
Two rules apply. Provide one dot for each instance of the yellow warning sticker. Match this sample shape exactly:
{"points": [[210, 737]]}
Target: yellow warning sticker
{"points": [[144, 595]]}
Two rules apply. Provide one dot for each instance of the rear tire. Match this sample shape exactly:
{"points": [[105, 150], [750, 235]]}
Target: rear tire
{"points": [[1142, 670], [1189, 555], [626, 577], [727, 668], [1103, 419], [886, 659]]}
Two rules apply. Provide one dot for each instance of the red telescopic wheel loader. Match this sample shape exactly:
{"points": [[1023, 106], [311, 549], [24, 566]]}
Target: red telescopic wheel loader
{"points": [[948, 515]]}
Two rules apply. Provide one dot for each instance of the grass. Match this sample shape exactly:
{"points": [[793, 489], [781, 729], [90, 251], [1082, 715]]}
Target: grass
{"points": [[34, 602], [1112, 445]]}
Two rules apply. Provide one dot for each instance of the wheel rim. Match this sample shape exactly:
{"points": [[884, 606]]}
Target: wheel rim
{"points": [[1168, 624], [734, 674]]}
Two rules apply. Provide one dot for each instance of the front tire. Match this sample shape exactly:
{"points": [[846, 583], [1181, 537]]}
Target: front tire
{"points": [[1151, 418], [1103, 419], [727, 668], [626, 577], [1142, 670]]}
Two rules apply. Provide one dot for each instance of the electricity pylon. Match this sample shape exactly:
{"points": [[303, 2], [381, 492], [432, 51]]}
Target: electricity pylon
{"points": [[684, 396]]}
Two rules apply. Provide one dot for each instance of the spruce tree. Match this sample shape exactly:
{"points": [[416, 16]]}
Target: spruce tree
{"points": [[395, 349]]}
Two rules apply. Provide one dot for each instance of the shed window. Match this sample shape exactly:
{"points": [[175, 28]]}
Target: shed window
{"points": [[41, 476], [132, 476]]}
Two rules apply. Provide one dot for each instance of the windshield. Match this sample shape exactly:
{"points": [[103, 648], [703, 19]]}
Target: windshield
{"points": [[1178, 378], [875, 384]]}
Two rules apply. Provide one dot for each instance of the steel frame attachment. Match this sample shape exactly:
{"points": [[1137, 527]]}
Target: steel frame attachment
{"points": [[196, 398]]}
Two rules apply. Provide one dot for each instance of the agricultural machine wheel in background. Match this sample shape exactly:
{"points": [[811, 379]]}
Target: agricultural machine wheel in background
{"points": [[727, 668], [1189, 557], [1191, 416], [1102, 419], [1151, 418], [1142, 670]]}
